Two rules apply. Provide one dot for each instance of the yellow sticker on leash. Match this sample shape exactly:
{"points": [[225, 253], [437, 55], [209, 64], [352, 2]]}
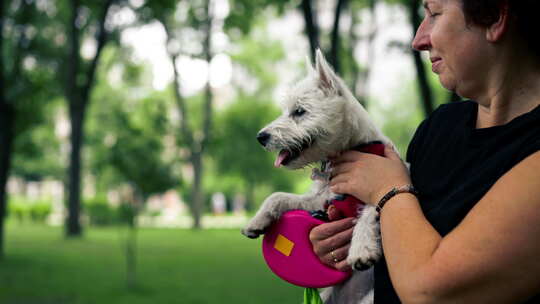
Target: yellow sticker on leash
{"points": [[283, 245]]}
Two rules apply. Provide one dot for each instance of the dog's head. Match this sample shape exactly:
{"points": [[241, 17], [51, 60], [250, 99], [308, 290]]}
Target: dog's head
{"points": [[318, 119]]}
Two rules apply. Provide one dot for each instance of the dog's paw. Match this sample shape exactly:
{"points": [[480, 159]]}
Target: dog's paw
{"points": [[257, 226], [252, 233], [362, 257], [363, 265]]}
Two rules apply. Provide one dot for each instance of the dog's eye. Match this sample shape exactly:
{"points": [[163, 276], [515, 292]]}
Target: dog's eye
{"points": [[298, 112]]}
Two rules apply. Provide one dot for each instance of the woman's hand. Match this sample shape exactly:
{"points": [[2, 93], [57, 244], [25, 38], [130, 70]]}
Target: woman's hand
{"points": [[368, 177], [331, 241]]}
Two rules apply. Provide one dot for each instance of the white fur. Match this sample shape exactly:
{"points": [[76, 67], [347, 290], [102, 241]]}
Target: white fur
{"points": [[333, 121]]}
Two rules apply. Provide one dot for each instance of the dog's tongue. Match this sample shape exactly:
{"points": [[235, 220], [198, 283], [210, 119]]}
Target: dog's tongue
{"points": [[282, 155]]}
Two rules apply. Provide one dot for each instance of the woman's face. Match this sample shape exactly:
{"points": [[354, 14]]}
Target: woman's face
{"points": [[459, 52]]}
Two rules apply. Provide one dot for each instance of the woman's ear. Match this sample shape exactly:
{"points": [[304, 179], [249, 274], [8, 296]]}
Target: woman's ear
{"points": [[495, 31]]}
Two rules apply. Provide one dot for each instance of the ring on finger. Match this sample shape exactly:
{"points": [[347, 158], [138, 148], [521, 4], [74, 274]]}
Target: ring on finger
{"points": [[334, 258]]}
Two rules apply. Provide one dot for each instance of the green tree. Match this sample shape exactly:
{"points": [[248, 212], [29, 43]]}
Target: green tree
{"points": [[127, 148], [37, 147], [27, 71], [194, 137], [85, 18], [137, 157]]}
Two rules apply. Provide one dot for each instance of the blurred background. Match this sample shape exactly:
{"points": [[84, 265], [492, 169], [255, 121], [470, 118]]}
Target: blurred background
{"points": [[128, 159]]}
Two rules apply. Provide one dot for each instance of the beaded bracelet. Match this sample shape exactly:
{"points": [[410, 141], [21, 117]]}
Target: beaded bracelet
{"points": [[393, 192]]}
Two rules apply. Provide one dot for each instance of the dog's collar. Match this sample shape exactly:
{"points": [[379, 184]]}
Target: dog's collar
{"points": [[373, 147]]}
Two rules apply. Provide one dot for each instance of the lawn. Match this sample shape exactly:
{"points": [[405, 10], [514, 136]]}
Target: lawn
{"points": [[174, 266]]}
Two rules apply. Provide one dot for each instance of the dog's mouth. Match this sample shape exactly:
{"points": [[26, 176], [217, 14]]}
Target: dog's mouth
{"points": [[286, 156]]}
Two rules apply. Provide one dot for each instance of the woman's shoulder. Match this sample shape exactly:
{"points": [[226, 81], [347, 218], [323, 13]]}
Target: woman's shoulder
{"points": [[447, 120]]}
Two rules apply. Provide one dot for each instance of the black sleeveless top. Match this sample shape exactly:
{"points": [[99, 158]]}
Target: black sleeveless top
{"points": [[453, 165]]}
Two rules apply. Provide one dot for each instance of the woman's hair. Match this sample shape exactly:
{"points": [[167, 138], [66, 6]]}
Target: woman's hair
{"points": [[523, 12]]}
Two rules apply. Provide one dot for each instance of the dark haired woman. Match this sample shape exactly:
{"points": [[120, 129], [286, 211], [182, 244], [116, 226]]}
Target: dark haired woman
{"points": [[471, 233]]}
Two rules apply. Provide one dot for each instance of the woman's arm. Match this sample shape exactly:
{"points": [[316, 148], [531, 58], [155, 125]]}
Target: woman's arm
{"points": [[492, 256]]}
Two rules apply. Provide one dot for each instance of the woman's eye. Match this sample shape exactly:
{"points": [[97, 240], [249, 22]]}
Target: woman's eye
{"points": [[298, 112]]}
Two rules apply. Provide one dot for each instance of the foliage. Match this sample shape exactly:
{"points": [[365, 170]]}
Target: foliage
{"points": [[244, 13], [236, 150], [39, 211], [127, 213], [126, 136], [32, 86], [129, 124], [37, 148], [18, 211], [100, 212], [400, 119], [23, 210], [261, 69]]}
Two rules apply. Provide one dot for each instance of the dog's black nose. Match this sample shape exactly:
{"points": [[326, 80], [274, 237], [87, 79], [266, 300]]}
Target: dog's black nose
{"points": [[263, 138]]}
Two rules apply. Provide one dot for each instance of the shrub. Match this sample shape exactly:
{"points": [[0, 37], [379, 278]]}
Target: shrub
{"points": [[100, 213], [18, 210], [127, 213], [39, 211], [23, 209]]}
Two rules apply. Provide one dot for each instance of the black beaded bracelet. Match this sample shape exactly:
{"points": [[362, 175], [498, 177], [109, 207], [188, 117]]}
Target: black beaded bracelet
{"points": [[393, 192]]}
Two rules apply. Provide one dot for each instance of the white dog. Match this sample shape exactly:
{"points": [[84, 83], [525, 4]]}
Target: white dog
{"points": [[321, 117]]}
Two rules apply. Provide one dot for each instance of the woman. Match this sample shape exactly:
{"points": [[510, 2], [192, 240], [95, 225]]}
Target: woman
{"points": [[471, 234]]}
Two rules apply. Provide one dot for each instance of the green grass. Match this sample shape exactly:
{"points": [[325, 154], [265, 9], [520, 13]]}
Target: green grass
{"points": [[174, 266]]}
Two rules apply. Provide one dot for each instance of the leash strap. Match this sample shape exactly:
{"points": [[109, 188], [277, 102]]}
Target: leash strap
{"points": [[311, 296]]}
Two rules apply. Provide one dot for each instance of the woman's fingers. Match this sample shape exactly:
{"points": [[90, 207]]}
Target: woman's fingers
{"points": [[340, 169], [343, 266], [328, 230], [333, 213], [390, 152], [340, 179], [331, 242], [337, 241], [348, 156], [336, 256]]}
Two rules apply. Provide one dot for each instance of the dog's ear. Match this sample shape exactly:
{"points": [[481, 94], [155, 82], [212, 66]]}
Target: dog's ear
{"points": [[309, 66], [326, 77]]}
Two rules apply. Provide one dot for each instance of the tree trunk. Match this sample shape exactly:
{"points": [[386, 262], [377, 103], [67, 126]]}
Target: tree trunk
{"points": [[181, 106], [7, 137], [73, 226], [312, 28], [78, 96], [423, 84], [134, 203], [7, 120], [198, 148], [131, 252], [196, 190], [361, 78], [131, 257], [185, 131], [195, 144], [335, 43]]}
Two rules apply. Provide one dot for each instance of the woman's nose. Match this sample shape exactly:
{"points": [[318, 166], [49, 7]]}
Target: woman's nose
{"points": [[422, 40]]}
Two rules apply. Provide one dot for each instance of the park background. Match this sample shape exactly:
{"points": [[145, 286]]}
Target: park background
{"points": [[128, 159]]}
